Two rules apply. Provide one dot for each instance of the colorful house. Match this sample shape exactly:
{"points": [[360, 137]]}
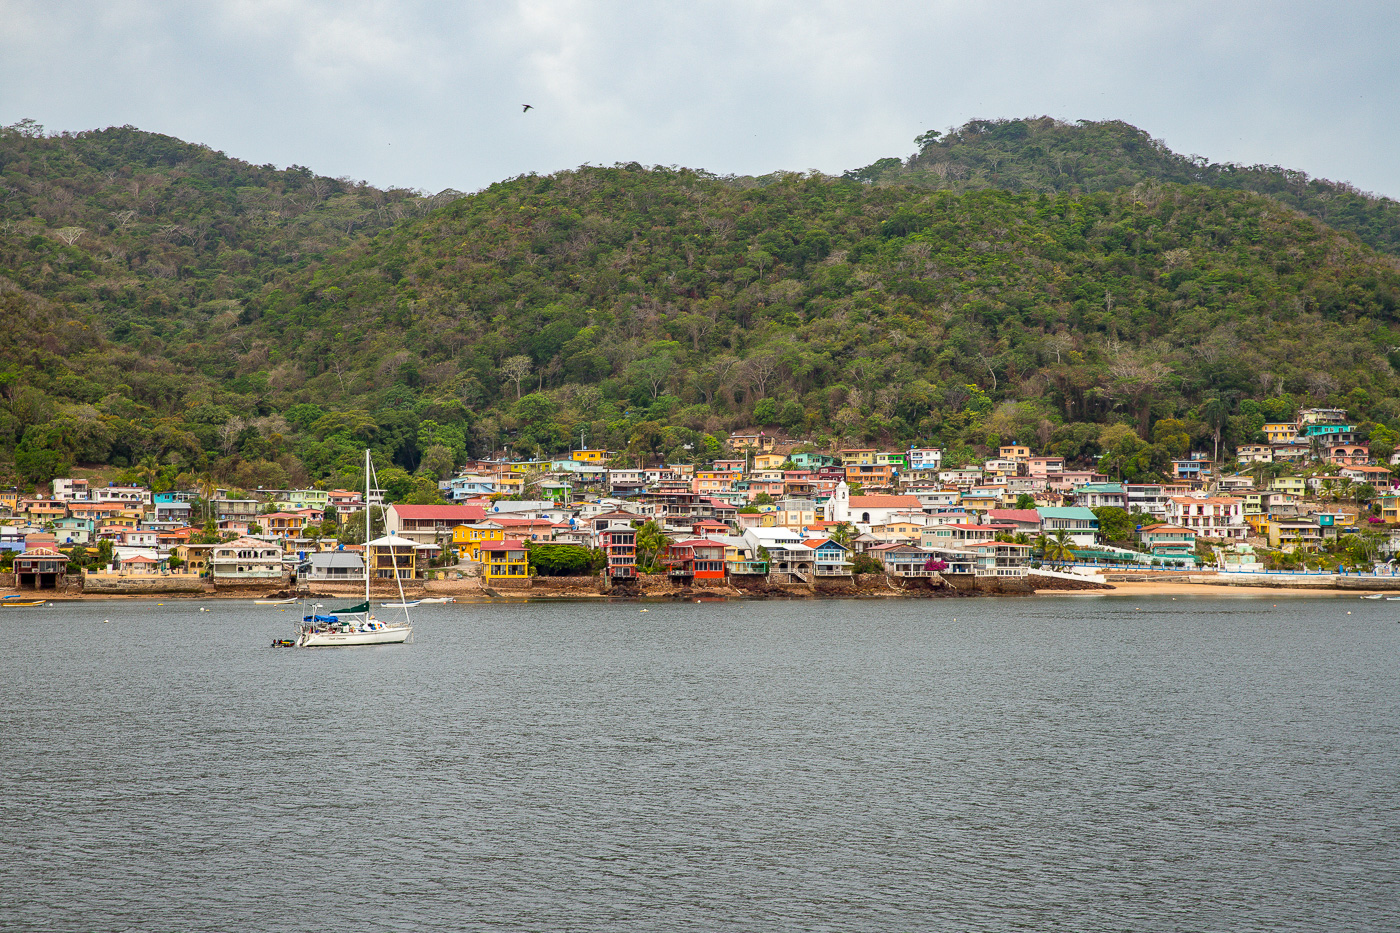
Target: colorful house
{"points": [[831, 558], [695, 559], [467, 539], [504, 560]]}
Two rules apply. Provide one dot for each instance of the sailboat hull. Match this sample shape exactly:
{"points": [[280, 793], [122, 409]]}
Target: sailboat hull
{"points": [[389, 635]]}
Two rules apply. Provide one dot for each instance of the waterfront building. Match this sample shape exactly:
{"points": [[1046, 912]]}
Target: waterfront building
{"points": [[336, 567], [246, 560], [507, 559], [1081, 524]]}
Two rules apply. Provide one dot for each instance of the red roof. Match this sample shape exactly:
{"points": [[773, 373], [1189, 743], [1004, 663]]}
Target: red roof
{"points": [[885, 502], [699, 542], [818, 542], [1015, 515], [509, 544], [447, 513], [42, 551]]}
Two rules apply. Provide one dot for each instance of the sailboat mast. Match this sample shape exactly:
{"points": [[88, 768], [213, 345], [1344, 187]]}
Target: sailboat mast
{"points": [[369, 519]]}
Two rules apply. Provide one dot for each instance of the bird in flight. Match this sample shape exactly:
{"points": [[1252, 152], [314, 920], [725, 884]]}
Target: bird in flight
{"points": [[527, 107]]}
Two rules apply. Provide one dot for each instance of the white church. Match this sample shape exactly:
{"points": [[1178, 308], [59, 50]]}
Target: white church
{"points": [[867, 510]]}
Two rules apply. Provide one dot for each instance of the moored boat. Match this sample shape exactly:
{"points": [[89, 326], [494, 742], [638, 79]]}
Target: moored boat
{"points": [[356, 625]]}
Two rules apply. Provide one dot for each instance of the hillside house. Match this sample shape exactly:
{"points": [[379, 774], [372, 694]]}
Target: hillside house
{"points": [[925, 458], [1209, 516]]}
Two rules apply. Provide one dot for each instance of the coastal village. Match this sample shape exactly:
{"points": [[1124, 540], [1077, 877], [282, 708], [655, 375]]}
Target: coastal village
{"points": [[770, 516]]}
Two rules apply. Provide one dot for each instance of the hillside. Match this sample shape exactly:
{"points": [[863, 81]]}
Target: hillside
{"points": [[233, 326], [1043, 154]]}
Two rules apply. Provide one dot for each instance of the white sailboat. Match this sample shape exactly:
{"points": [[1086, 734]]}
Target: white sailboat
{"points": [[356, 625]]}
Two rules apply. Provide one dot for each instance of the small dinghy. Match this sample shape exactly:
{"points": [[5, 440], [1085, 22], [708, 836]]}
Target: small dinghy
{"points": [[407, 604], [437, 599], [274, 602], [1373, 596]]}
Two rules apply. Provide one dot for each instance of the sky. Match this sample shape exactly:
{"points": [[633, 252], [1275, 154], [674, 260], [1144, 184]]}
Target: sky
{"points": [[429, 95]]}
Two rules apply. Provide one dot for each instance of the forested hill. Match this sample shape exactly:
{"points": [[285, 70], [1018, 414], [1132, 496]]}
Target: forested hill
{"points": [[228, 327], [1043, 154]]}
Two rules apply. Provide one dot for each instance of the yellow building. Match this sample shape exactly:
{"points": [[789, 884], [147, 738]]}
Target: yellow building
{"points": [[1015, 452], [589, 456], [9, 499], [1280, 433], [467, 539], [510, 484], [392, 556], [504, 560], [768, 461], [1293, 485], [858, 456]]}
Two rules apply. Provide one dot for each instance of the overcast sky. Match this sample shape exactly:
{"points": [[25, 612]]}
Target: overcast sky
{"points": [[429, 94]]}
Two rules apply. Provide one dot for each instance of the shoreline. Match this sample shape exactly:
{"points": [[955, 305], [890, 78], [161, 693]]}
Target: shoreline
{"points": [[1116, 589]]}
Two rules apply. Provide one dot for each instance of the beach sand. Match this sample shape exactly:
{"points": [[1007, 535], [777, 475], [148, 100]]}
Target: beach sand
{"points": [[1169, 588]]}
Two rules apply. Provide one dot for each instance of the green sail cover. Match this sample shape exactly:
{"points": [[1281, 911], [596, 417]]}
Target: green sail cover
{"points": [[362, 607]]}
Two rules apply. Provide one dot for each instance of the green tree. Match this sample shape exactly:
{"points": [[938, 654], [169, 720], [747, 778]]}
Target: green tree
{"points": [[1059, 548], [652, 543]]}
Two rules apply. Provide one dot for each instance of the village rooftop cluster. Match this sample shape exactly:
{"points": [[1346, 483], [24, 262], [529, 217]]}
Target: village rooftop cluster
{"points": [[770, 509]]}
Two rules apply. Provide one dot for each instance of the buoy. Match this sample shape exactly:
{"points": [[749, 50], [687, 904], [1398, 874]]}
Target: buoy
{"points": [[1348, 612], [105, 621], [646, 610]]}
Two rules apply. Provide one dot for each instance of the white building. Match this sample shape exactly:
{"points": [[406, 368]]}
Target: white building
{"points": [[246, 559], [70, 490], [133, 494], [925, 458], [866, 510], [1209, 516]]}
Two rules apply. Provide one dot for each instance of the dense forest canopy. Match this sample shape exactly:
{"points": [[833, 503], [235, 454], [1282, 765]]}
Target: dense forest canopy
{"points": [[1043, 154], [168, 306]]}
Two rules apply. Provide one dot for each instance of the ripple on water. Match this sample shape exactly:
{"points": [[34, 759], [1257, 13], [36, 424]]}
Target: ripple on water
{"points": [[1074, 764]]}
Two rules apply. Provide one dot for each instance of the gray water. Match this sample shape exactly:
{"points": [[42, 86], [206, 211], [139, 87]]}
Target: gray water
{"points": [[1086, 764]]}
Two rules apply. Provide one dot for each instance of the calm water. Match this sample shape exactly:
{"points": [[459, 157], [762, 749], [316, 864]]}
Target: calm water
{"points": [[1062, 764]]}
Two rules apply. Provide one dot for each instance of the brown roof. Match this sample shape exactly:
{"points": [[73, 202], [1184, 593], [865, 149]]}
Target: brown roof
{"points": [[885, 502]]}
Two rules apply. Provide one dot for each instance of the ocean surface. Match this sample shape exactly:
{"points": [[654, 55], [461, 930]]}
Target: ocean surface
{"points": [[1070, 763]]}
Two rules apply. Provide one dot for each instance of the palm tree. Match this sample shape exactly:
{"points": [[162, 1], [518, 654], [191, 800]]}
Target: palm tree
{"points": [[1059, 550], [1215, 412], [842, 534], [149, 471]]}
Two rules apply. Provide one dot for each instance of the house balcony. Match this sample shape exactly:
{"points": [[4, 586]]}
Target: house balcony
{"points": [[833, 570], [747, 567]]}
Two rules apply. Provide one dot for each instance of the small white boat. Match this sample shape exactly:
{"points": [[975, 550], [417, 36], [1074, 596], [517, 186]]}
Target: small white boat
{"points": [[274, 602], [1373, 596], [1391, 599], [404, 605], [437, 599]]}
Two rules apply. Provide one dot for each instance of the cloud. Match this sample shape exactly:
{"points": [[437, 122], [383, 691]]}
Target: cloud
{"points": [[427, 94]]}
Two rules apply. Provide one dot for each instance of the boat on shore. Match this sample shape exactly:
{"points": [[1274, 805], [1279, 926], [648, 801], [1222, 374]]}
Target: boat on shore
{"points": [[274, 602], [357, 625], [19, 601]]}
